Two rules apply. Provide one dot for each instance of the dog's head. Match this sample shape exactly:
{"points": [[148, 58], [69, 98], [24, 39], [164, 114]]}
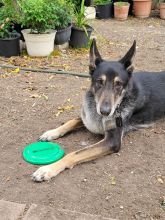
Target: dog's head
{"points": [[110, 79]]}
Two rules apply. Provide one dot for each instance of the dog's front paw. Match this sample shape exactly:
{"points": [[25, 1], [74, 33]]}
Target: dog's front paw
{"points": [[42, 174], [49, 171], [49, 135]]}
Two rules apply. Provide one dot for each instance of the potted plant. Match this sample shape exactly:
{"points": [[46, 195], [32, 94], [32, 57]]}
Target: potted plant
{"points": [[9, 39], [40, 15], [81, 31], [11, 10], [121, 10], [142, 8], [104, 9], [162, 9], [63, 23]]}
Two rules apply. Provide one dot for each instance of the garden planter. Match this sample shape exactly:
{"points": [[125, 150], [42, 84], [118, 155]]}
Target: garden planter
{"points": [[162, 10], [121, 10], [88, 2], [63, 35], [79, 38], [10, 46], [142, 8], [39, 45], [90, 12], [104, 11]]}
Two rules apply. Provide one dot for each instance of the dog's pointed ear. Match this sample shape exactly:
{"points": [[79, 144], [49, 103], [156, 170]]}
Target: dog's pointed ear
{"points": [[128, 58], [94, 56]]}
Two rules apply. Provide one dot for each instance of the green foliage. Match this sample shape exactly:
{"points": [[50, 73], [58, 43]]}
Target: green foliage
{"points": [[101, 2], [10, 9], [64, 14], [40, 15], [80, 20], [5, 27], [9, 14], [77, 4]]}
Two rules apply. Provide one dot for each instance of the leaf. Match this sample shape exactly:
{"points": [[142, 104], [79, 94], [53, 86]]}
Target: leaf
{"points": [[61, 109], [45, 96], [113, 180], [160, 180], [17, 70], [35, 96]]}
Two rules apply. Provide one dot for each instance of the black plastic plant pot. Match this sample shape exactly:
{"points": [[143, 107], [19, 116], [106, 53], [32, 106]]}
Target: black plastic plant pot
{"points": [[88, 2], [10, 46], [79, 38], [105, 11], [18, 28], [63, 35]]}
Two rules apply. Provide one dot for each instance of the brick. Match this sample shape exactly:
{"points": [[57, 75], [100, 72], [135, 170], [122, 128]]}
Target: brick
{"points": [[37, 212], [11, 210]]}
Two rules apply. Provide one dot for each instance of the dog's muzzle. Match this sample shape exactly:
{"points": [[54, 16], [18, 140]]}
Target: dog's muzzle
{"points": [[105, 109]]}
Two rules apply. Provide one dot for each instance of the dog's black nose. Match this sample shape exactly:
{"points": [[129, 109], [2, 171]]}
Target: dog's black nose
{"points": [[105, 109]]}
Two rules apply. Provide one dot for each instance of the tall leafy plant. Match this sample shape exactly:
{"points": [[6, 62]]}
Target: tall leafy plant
{"points": [[40, 15], [64, 14], [80, 19]]}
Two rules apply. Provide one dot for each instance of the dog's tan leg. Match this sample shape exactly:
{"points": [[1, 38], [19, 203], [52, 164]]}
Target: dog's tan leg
{"points": [[62, 130], [69, 161]]}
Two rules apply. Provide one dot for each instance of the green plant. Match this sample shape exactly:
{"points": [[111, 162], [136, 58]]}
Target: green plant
{"points": [[9, 14], [10, 9], [80, 19], [5, 27], [101, 2], [64, 14], [40, 15], [76, 3]]}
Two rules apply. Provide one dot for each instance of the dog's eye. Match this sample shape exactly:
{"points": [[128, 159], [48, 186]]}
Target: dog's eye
{"points": [[99, 82], [118, 85]]}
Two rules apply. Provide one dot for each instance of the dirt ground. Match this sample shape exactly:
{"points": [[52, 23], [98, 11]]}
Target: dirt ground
{"points": [[127, 185]]}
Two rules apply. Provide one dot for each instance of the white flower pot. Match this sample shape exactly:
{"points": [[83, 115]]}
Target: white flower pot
{"points": [[90, 12], [39, 45]]}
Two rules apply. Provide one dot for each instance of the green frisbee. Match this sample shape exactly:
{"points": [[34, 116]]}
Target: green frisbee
{"points": [[42, 153]]}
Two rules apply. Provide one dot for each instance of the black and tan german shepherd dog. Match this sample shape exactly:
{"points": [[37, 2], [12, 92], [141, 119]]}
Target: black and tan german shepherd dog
{"points": [[117, 101]]}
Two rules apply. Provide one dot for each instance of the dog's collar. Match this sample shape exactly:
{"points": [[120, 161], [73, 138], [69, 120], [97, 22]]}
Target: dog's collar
{"points": [[118, 118]]}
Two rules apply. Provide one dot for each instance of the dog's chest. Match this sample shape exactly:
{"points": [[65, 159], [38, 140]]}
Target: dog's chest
{"points": [[90, 118]]}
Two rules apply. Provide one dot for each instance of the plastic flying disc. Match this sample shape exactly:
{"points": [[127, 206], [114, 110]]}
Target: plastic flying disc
{"points": [[42, 153]]}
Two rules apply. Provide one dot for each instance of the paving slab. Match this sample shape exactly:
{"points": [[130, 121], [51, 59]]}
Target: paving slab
{"points": [[11, 210], [37, 212]]}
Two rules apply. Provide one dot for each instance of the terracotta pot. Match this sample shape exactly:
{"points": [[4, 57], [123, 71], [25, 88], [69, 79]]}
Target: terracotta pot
{"points": [[162, 10], [121, 10], [142, 8]]}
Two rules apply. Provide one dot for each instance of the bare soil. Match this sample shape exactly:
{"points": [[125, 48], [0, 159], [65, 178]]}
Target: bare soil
{"points": [[127, 185]]}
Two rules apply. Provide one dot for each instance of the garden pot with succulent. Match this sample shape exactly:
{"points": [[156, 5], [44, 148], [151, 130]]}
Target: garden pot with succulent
{"points": [[81, 31], [104, 9], [121, 10], [142, 8], [41, 16]]}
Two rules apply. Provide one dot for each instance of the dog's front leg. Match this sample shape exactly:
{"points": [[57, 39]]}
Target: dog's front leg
{"points": [[62, 130], [110, 144]]}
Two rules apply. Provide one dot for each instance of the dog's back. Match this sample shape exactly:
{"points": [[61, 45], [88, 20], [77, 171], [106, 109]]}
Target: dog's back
{"points": [[151, 96]]}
